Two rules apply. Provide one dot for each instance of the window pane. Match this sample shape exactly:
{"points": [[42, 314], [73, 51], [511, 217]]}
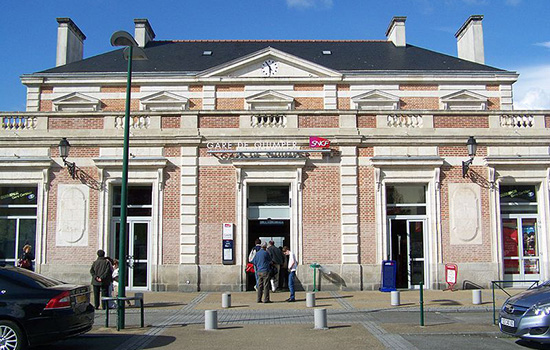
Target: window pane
{"points": [[27, 234], [511, 267], [137, 195], [7, 239], [531, 266], [18, 211], [517, 194], [529, 237], [405, 210], [11, 195], [268, 195], [510, 237], [405, 194]]}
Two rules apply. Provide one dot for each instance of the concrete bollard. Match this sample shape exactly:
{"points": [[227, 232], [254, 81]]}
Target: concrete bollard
{"points": [[210, 319], [226, 300], [395, 298], [139, 301], [320, 316], [310, 299], [476, 296]]}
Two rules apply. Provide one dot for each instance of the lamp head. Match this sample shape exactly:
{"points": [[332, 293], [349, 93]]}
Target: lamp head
{"points": [[64, 147], [123, 38], [472, 146]]}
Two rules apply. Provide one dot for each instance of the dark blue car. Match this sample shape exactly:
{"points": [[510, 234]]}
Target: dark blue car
{"points": [[35, 309]]}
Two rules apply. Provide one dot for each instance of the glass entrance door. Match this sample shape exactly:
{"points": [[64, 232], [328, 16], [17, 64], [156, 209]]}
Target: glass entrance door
{"points": [[137, 252], [520, 245], [407, 249]]}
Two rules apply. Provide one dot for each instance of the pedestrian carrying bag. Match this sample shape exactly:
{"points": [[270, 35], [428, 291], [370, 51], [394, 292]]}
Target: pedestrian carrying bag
{"points": [[24, 263], [250, 267]]}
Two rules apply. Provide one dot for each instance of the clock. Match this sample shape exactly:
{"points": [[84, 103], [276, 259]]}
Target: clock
{"points": [[270, 68]]}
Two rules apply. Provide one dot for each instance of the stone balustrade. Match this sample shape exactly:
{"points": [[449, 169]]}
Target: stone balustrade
{"points": [[405, 121], [268, 121], [522, 121], [19, 122]]}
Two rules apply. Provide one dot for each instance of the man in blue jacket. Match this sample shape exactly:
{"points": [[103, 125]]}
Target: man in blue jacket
{"points": [[262, 265]]}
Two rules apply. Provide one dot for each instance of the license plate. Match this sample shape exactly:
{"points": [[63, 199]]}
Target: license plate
{"points": [[507, 322], [81, 299]]}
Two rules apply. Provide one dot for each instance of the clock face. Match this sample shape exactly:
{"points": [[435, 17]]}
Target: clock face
{"points": [[270, 68]]}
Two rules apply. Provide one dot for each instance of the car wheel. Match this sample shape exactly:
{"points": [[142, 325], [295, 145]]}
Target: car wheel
{"points": [[11, 336]]}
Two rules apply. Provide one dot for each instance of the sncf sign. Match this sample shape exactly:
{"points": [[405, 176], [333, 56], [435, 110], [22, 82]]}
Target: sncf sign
{"points": [[318, 142]]}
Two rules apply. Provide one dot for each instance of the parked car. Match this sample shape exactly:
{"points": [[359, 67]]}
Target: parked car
{"points": [[527, 314], [35, 309]]}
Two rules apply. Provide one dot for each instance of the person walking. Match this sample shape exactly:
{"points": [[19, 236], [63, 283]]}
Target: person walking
{"points": [[292, 264], [277, 258], [102, 276], [262, 266], [25, 262]]}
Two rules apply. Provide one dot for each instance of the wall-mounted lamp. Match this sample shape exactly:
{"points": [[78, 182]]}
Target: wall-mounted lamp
{"points": [[472, 148], [64, 147]]}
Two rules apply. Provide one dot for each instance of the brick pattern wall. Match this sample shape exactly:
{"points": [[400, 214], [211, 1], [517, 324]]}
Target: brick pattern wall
{"points": [[228, 88], [118, 105], [195, 104], [219, 122], [466, 122], [170, 122], [171, 214], [46, 89], [321, 215], [492, 87], [229, 104], [308, 87], [301, 103], [46, 106], [493, 103], [365, 152], [77, 152], [195, 88], [84, 123], [418, 87], [367, 217], [547, 121], [419, 103], [366, 121], [342, 87], [172, 151], [217, 191], [121, 88], [71, 255], [343, 103], [460, 151], [318, 121], [469, 252]]}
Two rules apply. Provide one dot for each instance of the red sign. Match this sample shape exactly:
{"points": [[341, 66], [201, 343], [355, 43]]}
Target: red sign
{"points": [[451, 275], [318, 142]]}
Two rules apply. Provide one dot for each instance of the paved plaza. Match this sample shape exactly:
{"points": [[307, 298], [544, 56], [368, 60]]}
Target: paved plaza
{"points": [[356, 320]]}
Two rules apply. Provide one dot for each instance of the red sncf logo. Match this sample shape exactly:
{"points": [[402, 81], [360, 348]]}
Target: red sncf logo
{"points": [[318, 142]]}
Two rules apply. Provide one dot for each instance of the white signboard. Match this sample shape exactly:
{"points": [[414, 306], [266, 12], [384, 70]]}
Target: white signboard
{"points": [[227, 232]]}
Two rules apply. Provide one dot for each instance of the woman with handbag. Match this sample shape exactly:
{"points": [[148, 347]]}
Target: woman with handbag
{"points": [[26, 259]]}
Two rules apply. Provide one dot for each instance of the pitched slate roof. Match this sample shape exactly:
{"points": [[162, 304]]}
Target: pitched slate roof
{"points": [[346, 56]]}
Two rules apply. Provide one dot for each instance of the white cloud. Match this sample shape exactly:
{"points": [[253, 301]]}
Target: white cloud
{"points": [[544, 44], [532, 90], [309, 3]]}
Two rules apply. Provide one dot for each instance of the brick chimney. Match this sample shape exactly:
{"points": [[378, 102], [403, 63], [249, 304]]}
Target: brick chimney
{"points": [[469, 40], [396, 31], [143, 32], [70, 42]]}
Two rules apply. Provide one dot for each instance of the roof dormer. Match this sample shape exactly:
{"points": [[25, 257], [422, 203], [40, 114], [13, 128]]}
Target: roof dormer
{"points": [[375, 100], [76, 102], [270, 100], [464, 100], [163, 101]]}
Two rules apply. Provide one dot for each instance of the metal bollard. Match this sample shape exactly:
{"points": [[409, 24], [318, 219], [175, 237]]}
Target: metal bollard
{"points": [[320, 316], [476, 296], [210, 319], [226, 300], [310, 299], [395, 298]]}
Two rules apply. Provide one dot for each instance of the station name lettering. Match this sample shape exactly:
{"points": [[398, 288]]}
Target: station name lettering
{"points": [[257, 145]]}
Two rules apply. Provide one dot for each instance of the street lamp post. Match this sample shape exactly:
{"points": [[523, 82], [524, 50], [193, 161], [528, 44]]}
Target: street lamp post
{"points": [[132, 51]]}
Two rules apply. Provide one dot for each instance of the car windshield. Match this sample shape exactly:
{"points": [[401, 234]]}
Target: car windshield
{"points": [[42, 280]]}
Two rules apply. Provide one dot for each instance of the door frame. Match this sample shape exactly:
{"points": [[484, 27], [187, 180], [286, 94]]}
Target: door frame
{"points": [[408, 219], [130, 231], [519, 219]]}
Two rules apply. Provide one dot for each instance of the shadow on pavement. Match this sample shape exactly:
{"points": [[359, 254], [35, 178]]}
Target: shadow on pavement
{"points": [[149, 305], [532, 345], [446, 302], [105, 342]]}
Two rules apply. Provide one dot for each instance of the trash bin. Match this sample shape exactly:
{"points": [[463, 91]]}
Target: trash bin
{"points": [[389, 276], [315, 266]]}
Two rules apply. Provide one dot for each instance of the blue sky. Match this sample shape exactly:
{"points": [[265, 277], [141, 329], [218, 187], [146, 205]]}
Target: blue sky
{"points": [[516, 32]]}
